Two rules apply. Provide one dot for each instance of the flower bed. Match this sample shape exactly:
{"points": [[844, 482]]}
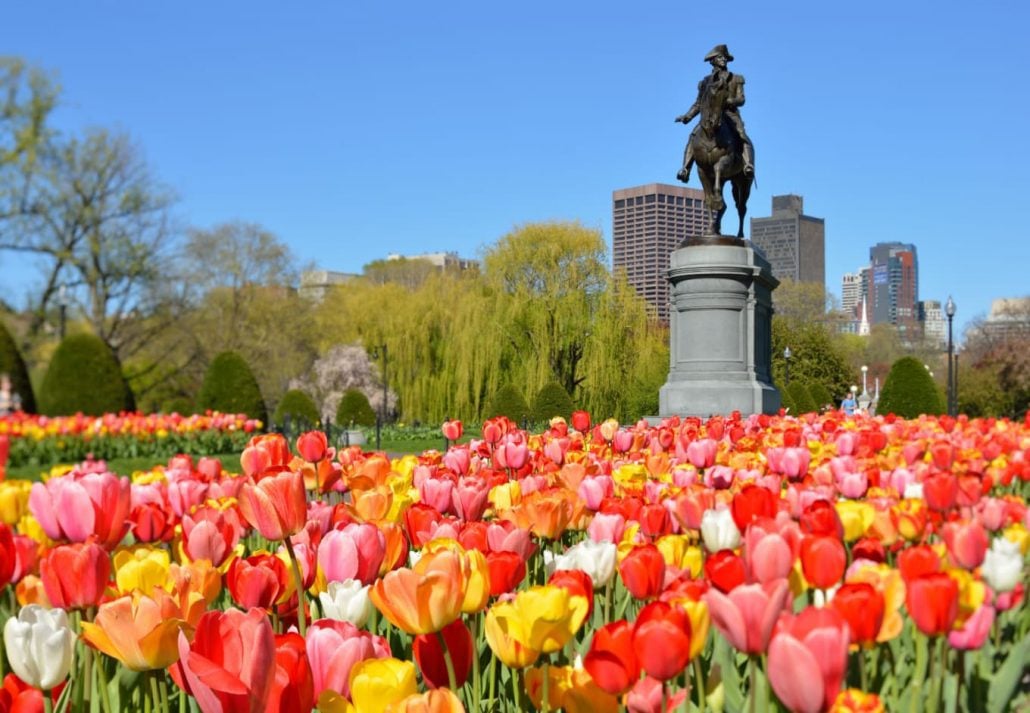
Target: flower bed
{"points": [[43, 440], [809, 564]]}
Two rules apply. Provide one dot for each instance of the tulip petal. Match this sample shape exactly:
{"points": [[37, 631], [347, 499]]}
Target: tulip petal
{"points": [[792, 672]]}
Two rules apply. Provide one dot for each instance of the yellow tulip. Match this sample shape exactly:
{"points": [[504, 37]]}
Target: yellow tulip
{"points": [[14, 500], [1017, 533], [699, 624], [539, 620], [375, 684], [505, 496], [569, 689], [856, 516], [140, 631], [677, 552], [141, 567]]}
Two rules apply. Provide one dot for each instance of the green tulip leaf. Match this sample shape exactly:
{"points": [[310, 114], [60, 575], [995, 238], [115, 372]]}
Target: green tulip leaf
{"points": [[1006, 679]]}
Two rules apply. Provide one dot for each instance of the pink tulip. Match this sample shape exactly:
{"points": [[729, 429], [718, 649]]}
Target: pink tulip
{"points": [[701, 453], [646, 697], [593, 489], [512, 453], [808, 658], [747, 615], [967, 543], [211, 534], [846, 443], [185, 494], [607, 527], [853, 485], [75, 507], [470, 498], [436, 493], [333, 647], [458, 460], [794, 462], [554, 451], [768, 555], [974, 631], [510, 539], [622, 441], [209, 468], [276, 506], [355, 552], [719, 477], [992, 513]]}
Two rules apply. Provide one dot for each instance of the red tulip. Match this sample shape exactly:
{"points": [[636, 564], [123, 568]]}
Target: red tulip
{"points": [[870, 549], [257, 581], [452, 430], [263, 452], [226, 665], [507, 570], [293, 688], [26, 557], [932, 602], [807, 660], [751, 503], [655, 520], [643, 571], [312, 446], [8, 555], [581, 421], [967, 543], [75, 576], [429, 655], [725, 570], [916, 561], [940, 490], [862, 607], [611, 661], [821, 518], [661, 640], [823, 560], [276, 506]]}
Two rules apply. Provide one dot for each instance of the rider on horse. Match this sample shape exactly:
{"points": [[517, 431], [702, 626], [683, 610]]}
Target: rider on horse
{"points": [[731, 86]]}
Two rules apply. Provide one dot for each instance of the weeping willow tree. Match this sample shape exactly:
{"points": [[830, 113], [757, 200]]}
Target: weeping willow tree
{"points": [[544, 309]]}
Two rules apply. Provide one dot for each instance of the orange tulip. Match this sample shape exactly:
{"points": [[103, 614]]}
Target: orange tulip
{"points": [[422, 600], [140, 631], [276, 506], [439, 700]]}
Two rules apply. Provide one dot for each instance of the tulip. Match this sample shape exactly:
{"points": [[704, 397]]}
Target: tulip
{"points": [[823, 560], [39, 646], [451, 430], [747, 614], [293, 688], [820, 518], [470, 498], [648, 696], [275, 506], [212, 534], [751, 503], [932, 602], [940, 491], [423, 600], [226, 666], [436, 493], [577, 583], [862, 607], [569, 689], [346, 601], [260, 580], [76, 507], [507, 570], [438, 700], [597, 559], [75, 576], [661, 640], [1002, 565], [807, 660], [264, 452], [612, 661], [643, 571], [719, 531], [140, 631], [354, 552], [607, 527], [312, 446], [855, 701], [581, 421], [725, 570], [334, 647], [768, 555], [974, 631], [376, 684], [429, 654], [967, 543], [142, 567], [539, 620]]}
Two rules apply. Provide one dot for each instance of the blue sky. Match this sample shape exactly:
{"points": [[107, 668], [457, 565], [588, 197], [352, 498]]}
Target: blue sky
{"points": [[356, 129]]}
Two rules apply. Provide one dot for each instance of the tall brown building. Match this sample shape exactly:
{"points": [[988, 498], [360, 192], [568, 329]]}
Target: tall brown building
{"points": [[648, 223], [793, 243]]}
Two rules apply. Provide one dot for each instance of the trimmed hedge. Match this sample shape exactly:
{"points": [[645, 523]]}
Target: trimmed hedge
{"points": [[230, 387], [552, 400], [298, 406], [508, 401], [84, 376], [801, 398], [821, 395], [909, 390], [355, 409], [12, 364], [181, 405], [786, 402]]}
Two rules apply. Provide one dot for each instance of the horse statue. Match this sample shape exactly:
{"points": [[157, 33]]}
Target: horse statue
{"points": [[717, 147]]}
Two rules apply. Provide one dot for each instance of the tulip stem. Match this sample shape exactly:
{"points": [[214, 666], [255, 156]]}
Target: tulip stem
{"points": [[545, 704], [702, 701], [163, 685], [298, 583], [98, 665], [863, 680], [753, 683], [452, 680], [48, 702], [493, 679], [477, 694], [665, 699]]}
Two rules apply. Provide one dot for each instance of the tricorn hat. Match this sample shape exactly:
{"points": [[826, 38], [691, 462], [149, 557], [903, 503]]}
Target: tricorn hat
{"points": [[719, 50]]}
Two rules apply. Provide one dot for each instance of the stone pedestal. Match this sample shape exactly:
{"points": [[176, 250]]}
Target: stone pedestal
{"points": [[720, 320]]}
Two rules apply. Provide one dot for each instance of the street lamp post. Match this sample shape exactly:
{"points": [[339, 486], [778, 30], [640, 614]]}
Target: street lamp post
{"points": [[62, 309], [786, 365], [381, 416], [949, 309], [864, 400]]}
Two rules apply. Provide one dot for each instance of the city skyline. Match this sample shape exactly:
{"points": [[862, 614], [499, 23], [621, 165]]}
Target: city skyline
{"points": [[354, 132]]}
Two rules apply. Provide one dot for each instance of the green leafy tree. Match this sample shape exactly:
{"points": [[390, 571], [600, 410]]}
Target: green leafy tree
{"points": [[354, 409], [508, 401], [800, 397], [909, 391], [815, 357], [230, 387], [821, 396], [12, 364], [297, 406], [552, 400], [84, 376]]}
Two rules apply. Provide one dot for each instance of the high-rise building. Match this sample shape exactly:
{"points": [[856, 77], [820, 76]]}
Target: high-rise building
{"points": [[793, 243], [935, 324], [894, 290], [851, 294], [648, 223]]}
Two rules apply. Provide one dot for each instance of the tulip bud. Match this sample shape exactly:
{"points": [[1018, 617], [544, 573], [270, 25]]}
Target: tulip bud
{"points": [[39, 646], [719, 531], [347, 601]]}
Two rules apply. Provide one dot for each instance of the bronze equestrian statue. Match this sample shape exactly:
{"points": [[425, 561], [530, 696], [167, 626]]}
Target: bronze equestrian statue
{"points": [[719, 145]]}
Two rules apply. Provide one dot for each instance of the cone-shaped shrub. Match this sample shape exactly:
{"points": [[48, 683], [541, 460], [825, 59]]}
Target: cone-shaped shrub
{"points": [[820, 395], [909, 390], [13, 365], [786, 402], [84, 375], [355, 409], [181, 405], [298, 406], [508, 401], [552, 400], [230, 387], [802, 400]]}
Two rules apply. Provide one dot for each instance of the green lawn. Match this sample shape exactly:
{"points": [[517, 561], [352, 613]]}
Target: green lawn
{"points": [[121, 466]]}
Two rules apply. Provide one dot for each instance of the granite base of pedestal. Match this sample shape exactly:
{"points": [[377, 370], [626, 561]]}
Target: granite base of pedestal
{"points": [[720, 327]]}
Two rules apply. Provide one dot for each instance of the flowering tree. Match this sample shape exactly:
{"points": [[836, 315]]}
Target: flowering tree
{"points": [[343, 367]]}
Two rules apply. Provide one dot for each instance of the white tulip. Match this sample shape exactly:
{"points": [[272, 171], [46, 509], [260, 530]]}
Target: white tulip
{"points": [[1003, 565], [39, 646], [597, 559], [346, 601], [719, 531], [913, 491]]}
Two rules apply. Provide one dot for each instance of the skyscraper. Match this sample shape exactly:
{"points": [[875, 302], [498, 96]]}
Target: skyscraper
{"points": [[794, 243], [648, 223], [894, 290], [851, 294]]}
